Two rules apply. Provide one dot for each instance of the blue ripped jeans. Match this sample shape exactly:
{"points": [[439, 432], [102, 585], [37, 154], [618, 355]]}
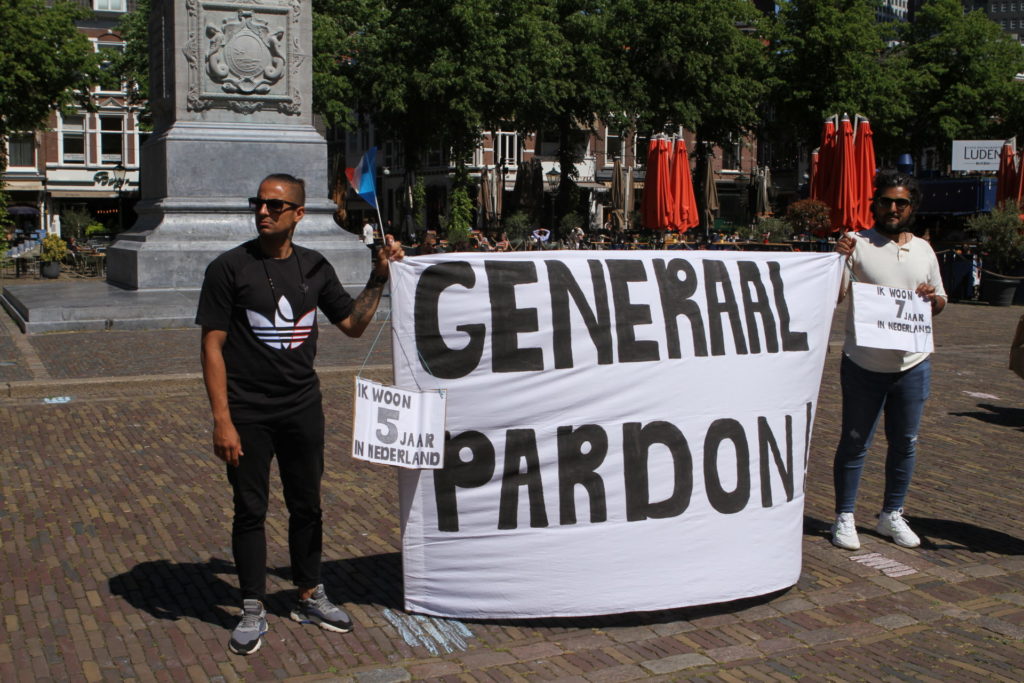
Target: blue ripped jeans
{"points": [[866, 394]]}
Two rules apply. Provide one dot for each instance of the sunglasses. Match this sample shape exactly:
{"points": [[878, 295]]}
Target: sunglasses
{"points": [[273, 205], [900, 202]]}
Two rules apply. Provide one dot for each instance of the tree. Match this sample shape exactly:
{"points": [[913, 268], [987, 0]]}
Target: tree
{"points": [[959, 78], [131, 66], [830, 56], [44, 60], [699, 64]]}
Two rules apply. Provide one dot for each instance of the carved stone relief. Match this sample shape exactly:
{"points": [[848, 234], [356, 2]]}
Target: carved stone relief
{"points": [[243, 56]]}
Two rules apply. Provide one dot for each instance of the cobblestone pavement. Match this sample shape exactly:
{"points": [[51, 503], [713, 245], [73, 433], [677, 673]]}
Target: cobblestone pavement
{"points": [[115, 557]]}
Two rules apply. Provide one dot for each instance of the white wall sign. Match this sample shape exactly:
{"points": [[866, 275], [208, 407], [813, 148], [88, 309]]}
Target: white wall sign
{"points": [[398, 427], [976, 155], [891, 318], [627, 431]]}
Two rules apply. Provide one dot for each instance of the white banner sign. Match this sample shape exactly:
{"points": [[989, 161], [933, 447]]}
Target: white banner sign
{"points": [[627, 431], [976, 155], [891, 318], [398, 427]]}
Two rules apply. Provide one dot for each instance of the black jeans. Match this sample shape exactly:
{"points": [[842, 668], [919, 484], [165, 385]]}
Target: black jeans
{"points": [[298, 442]]}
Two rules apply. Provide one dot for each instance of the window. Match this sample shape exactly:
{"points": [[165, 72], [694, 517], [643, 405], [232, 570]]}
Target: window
{"points": [[111, 139], [506, 148], [640, 144], [21, 150], [73, 140], [612, 147], [731, 157], [109, 5]]}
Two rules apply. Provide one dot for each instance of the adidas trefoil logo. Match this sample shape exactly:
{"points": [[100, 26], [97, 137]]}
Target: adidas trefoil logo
{"points": [[285, 332]]}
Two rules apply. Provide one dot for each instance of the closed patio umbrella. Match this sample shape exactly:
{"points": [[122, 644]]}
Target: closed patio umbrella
{"points": [[821, 189], [711, 203], [1018, 194], [685, 214], [658, 210], [485, 210], [842, 185], [1007, 175], [864, 167]]}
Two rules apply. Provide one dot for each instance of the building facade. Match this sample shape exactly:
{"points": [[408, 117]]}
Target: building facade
{"points": [[86, 161]]}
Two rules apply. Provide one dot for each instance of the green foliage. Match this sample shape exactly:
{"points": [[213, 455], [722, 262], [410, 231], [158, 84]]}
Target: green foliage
{"points": [[776, 229], [829, 56], [45, 63], [517, 226], [1001, 234], [74, 221], [132, 66], [53, 248], [809, 215], [568, 222], [460, 219], [959, 77], [696, 63], [94, 229], [419, 202]]}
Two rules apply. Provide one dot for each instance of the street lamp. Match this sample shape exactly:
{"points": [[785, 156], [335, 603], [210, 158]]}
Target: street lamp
{"points": [[553, 177], [119, 173]]}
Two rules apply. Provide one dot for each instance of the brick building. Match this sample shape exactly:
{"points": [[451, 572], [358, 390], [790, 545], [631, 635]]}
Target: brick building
{"points": [[87, 160]]}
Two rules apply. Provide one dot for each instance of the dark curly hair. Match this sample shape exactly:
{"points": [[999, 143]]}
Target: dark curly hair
{"points": [[886, 179]]}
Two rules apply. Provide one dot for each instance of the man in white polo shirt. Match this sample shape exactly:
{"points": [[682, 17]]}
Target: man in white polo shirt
{"points": [[874, 380]]}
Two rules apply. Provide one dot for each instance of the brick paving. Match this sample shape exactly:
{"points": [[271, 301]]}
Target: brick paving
{"points": [[116, 564]]}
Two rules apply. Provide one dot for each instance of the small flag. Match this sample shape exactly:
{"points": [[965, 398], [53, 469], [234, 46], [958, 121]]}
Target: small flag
{"points": [[362, 177]]}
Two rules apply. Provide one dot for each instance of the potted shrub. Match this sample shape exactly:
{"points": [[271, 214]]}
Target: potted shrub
{"points": [[1001, 240], [51, 253]]}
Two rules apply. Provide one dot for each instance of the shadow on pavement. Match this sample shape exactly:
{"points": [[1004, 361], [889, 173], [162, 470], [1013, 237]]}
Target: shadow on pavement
{"points": [[998, 415], [173, 590], [169, 590], [963, 535]]}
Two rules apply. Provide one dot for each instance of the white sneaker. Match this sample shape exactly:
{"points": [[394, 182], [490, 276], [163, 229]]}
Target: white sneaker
{"points": [[893, 525], [844, 532]]}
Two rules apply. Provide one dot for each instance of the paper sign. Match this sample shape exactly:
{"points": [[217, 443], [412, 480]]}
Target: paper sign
{"points": [[398, 427], [891, 318]]}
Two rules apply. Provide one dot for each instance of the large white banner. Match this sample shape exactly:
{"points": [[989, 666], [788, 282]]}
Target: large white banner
{"points": [[627, 431]]}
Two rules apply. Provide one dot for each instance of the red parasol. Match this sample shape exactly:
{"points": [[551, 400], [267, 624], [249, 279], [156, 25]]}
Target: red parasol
{"points": [[1007, 177], [864, 167], [813, 181], [842, 187], [1018, 194], [657, 200], [684, 214], [821, 189]]}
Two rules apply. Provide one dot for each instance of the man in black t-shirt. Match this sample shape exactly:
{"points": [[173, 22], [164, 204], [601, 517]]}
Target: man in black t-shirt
{"points": [[258, 311]]}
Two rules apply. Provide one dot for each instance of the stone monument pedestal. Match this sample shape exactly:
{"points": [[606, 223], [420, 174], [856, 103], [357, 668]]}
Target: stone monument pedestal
{"points": [[231, 91]]}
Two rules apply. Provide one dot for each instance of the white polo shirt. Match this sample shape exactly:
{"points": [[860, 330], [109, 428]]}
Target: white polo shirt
{"points": [[878, 260]]}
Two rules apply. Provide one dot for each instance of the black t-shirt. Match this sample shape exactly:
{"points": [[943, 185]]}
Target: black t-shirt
{"points": [[268, 308]]}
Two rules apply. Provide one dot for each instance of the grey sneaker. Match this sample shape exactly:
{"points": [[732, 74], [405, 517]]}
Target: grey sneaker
{"points": [[844, 532], [317, 609], [893, 525], [248, 635]]}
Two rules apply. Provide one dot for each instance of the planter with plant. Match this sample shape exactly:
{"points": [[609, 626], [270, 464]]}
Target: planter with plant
{"points": [[1001, 240], [51, 253]]}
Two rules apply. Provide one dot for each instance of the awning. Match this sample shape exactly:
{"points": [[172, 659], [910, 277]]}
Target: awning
{"points": [[81, 194], [23, 210], [13, 184]]}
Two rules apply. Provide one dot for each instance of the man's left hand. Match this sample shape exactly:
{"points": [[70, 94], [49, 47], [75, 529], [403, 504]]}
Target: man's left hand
{"points": [[391, 251], [927, 292]]}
